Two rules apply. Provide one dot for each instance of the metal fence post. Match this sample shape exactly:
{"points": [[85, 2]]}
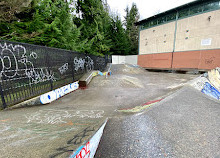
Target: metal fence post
{"points": [[3, 98], [48, 66], [73, 68], [106, 59], [85, 67], [51, 84]]}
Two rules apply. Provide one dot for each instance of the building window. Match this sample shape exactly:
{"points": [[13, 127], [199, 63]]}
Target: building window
{"points": [[162, 20], [171, 17], [183, 13], [212, 6], [154, 22], [196, 10], [151, 24]]}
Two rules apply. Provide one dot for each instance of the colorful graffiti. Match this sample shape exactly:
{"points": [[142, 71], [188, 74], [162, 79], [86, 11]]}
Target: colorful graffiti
{"points": [[211, 91], [209, 83], [214, 78], [89, 149], [83, 151], [141, 107], [57, 93], [96, 73]]}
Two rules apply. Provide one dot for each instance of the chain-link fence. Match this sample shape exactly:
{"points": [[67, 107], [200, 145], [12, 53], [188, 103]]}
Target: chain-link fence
{"points": [[30, 70]]}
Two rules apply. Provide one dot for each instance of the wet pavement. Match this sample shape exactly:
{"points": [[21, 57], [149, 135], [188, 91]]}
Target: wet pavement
{"points": [[54, 130], [185, 124]]}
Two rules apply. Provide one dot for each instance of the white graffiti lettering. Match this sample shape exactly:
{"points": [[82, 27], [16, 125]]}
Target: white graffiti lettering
{"points": [[51, 116], [34, 55], [83, 63], [63, 68], [89, 64], [4, 128], [15, 62], [79, 63]]}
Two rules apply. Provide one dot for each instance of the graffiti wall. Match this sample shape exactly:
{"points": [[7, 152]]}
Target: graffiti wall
{"points": [[89, 149], [30, 70], [209, 83], [17, 62]]}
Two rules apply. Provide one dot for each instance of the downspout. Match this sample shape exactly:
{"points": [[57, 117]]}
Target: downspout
{"points": [[139, 30], [174, 41]]}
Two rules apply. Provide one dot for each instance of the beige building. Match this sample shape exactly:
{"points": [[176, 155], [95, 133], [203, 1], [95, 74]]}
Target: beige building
{"points": [[186, 37]]}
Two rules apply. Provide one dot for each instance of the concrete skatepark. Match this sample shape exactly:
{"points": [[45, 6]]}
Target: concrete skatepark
{"points": [[183, 122]]}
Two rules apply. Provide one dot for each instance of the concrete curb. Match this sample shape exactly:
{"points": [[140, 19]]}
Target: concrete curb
{"points": [[28, 103], [87, 78], [48, 97]]}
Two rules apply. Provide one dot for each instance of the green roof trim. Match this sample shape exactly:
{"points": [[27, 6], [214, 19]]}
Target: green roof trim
{"points": [[192, 8]]}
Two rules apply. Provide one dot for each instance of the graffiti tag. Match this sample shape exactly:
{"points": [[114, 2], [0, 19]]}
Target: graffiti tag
{"points": [[15, 62], [51, 116], [63, 68]]}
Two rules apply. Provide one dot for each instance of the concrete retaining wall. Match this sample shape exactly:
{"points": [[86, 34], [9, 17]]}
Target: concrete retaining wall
{"points": [[116, 59], [129, 59]]}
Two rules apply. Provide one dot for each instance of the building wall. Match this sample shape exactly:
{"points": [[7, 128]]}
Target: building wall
{"points": [[201, 59], [197, 43], [193, 30], [157, 39], [161, 60]]}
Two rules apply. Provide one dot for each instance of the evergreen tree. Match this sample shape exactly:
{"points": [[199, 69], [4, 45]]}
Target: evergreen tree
{"points": [[95, 22], [119, 37], [50, 23], [132, 16], [12, 11]]}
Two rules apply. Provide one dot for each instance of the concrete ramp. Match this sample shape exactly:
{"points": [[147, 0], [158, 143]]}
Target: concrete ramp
{"points": [[88, 149], [83, 144], [185, 124]]}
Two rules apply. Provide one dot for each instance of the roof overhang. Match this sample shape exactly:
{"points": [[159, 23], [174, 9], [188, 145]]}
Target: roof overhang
{"points": [[171, 11]]}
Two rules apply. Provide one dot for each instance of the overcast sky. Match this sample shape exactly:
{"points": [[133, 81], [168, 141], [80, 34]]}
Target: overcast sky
{"points": [[146, 8]]}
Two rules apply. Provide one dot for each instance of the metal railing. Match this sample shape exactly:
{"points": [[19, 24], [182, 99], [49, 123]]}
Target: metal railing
{"points": [[29, 70]]}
